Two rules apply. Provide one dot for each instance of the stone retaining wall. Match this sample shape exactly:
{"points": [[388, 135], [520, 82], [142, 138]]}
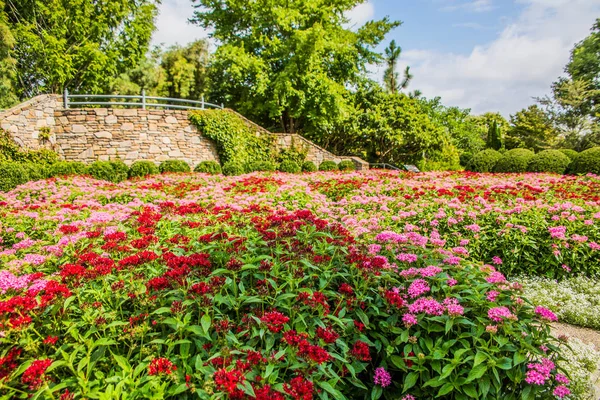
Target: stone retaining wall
{"points": [[93, 134]]}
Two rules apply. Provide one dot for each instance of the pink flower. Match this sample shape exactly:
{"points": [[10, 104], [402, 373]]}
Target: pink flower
{"points": [[557, 232], [417, 288], [382, 377], [492, 295], [428, 306], [453, 260], [498, 314], [473, 228], [453, 308], [561, 379], [451, 282], [496, 277], [430, 271], [496, 260], [491, 329], [545, 314], [409, 320], [406, 257], [561, 391]]}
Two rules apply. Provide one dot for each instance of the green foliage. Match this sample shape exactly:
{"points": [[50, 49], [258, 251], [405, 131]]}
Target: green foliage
{"points": [[484, 161], [68, 168], [328, 166], [465, 159], [515, 160], [290, 167], [235, 140], [111, 171], [260, 166], [494, 137], [391, 79], [549, 161], [233, 169], [346, 165], [294, 153], [81, 44], [446, 159], [531, 128], [586, 161], [208, 167], [174, 166], [572, 154], [288, 64], [36, 172], [12, 175], [141, 169], [11, 151], [309, 166]]}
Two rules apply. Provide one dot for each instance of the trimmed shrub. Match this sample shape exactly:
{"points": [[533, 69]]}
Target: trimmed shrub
{"points": [[121, 170], [572, 154], [106, 171], [309, 166], [586, 161], [174, 166], [328, 166], [260, 166], [465, 159], [12, 175], [515, 160], [35, 172], [208, 167], [346, 165], [232, 169], [549, 161], [68, 168], [41, 156], [290, 167], [140, 169], [484, 161]]}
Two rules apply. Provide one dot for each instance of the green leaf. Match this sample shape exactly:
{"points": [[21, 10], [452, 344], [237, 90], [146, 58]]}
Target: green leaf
{"points": [[376, 392], [330, 389], [410, 380], [477, 372], [470, 391], [444, 390], [479, 358], [206, 322]]}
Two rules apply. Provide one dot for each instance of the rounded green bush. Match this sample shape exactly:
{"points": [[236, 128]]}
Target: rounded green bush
{"points": [[261, 166], [465, 159], [346, 165], [587, 161], [309, 166], [515, 160], [549, 161], [140, 169], [328, 166], [208, 167], [484, 161], [121, 170], [174, 166], [290, 167], [35, 172], [68, 168], [102, 170], [572, 154], [232, 169], [41, 156], [12, 175]]}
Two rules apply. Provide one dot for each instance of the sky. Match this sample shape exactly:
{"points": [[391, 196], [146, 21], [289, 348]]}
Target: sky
{"points": [[485, 55]]}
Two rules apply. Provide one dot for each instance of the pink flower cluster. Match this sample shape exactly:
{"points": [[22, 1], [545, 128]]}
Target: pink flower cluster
{"points": [[417, 288], [382, 377], [545, 314], [499, 314], [539, 373]]}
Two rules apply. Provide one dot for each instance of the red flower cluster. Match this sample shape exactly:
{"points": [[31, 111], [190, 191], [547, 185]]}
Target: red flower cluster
{"points": [[9, 362], [299, 388], [312, 352], [360, 351], [227, 381], [327, 334], [161, 366], [34, 375], [274, 321]]}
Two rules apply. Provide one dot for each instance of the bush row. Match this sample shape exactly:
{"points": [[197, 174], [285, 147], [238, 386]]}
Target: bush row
{"points": [[13, 174], [524, 160]]}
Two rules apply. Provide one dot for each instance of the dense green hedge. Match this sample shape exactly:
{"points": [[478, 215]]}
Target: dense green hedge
{"points": [[328, 166], [586, 161], [232, 169], [140, 169], [235, 140], [515, 160], [208, 167], [12, 175], [290, 167], [484, 161], [68, 168], [346, 165], [174, 166], [309, 166], [549, 161], [569, 153]]}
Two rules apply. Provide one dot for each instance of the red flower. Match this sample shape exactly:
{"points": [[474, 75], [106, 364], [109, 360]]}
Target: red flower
{"points": [[51, 340], [158, 283], [346, 289], [360, 351], [227, 381], [8, 363], [274, 321], [292, 338], [311, 352], [160, 366], [34, 375], [299, 389], [328, 335], [265, 393]]}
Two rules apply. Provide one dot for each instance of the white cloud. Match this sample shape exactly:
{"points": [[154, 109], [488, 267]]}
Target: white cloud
{"points": [[521, 63], [360, 14], [172, 26], [476, 6]]}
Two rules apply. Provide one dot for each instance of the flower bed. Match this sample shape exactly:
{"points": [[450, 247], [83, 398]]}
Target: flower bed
{"points": [[273, 286]]}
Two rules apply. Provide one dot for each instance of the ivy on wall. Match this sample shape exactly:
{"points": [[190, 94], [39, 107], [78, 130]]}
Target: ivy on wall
{"points": [[237, 143]]}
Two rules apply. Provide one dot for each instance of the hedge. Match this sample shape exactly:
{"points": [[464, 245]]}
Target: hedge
{"points": [[174, 166], [12, 175], [484, 161], [309, 166], [587, 161], [208, 167], [572, 154], [515, 160], [346, 165], [549, 161], [140, 169], [290, 167], [68, 168], [328, 166]]}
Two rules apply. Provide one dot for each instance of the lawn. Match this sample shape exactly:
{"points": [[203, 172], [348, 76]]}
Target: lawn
{"points": [[318, 285]]}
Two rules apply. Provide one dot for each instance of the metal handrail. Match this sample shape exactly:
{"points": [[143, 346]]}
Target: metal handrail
{"points": [[143, 104], [388, 166]]}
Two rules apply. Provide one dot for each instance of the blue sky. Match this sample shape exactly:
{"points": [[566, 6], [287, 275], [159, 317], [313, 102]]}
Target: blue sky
{"points": [[486, 55]]}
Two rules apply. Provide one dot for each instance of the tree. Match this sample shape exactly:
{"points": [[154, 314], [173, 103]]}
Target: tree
{"points": [[7, 63], [531, 128], [185, 70], [288, 64], [79, 44], [391, 79], [494, 137]]}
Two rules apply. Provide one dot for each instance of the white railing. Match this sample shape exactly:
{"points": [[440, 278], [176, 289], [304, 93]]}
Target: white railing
{"points": [[142, 101]]}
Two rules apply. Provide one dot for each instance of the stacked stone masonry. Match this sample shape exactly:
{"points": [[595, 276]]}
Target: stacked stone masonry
{"points": [[93, 134]]}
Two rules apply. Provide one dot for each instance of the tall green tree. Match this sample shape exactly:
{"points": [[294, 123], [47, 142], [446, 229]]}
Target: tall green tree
{"points": [[288, 65], [79, 44], [185, 70], [494, 138], [531, 128], [391, 77], [7, 64]]}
